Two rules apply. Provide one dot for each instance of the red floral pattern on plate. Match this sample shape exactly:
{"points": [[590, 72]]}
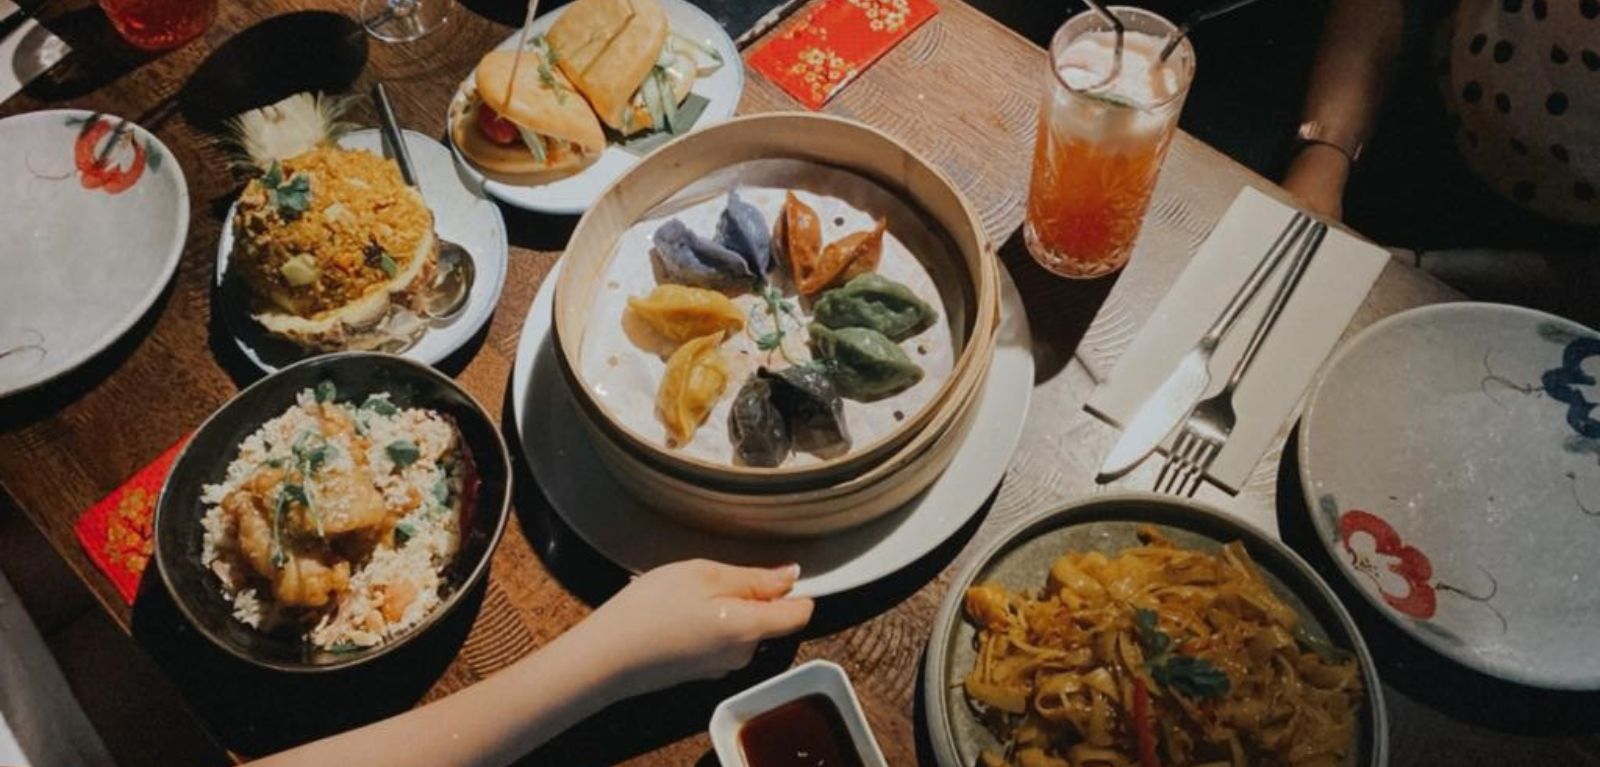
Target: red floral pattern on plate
{"points": [[115, 169], [1401, 572]]}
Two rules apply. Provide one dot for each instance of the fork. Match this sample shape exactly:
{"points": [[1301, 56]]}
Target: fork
{"points": [[1209, 424]]}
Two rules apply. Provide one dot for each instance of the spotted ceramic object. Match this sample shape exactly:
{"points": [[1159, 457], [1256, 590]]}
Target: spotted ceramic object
{"points": [[1451, 461], [1020, 560], [89, 237]]}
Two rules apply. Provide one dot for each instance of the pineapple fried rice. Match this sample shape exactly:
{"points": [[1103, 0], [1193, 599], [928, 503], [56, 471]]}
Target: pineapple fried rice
{"points": [[337, 520]]}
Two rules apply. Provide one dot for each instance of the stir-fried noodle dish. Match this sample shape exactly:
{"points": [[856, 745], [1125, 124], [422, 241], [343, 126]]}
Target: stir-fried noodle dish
{"points": [[1157, 655]]}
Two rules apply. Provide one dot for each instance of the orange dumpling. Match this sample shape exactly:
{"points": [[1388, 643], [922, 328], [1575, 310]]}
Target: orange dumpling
{"points": [[848, 257], [797, 238], [695, 378]]}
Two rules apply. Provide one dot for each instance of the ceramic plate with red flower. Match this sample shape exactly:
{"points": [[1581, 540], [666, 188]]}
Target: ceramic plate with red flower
{"points": [[95, 211], [1451, 459]]}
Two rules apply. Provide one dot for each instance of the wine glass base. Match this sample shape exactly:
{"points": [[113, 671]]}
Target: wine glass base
{"points": [[402, 21]]}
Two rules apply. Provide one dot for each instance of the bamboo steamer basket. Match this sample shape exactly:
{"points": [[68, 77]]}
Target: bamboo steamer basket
{"points": [[826, 141]]}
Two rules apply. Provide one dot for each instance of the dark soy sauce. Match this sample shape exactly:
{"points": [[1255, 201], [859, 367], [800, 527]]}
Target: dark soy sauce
{"points": [[808, 732]]}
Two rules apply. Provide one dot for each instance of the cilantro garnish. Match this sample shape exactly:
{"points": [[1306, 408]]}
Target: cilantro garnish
{"points": [[1192, 676], [403, 452], [380, 405], [291, 197], [326, 391]]}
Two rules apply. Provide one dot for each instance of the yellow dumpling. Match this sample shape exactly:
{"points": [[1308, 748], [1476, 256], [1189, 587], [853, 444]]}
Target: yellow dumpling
{"points": [[680, 313], [695, 378]]}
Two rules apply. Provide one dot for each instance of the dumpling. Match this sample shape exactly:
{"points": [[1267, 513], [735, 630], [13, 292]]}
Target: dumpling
{"points": [[742, 230], [810, 405], [680, 313], [863, 363], [695, 378], [797, 237], [756, 426], [876, 302], [687, 258], [848, 257]]}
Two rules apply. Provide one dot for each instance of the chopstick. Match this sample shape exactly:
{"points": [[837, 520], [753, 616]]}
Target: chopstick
{"points": [[14, 20]]}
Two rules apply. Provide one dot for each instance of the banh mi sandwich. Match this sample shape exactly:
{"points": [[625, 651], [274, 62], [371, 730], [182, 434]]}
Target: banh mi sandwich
{"points": [[621, 55], [545, 127]]}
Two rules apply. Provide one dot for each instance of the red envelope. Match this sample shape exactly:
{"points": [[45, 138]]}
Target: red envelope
{"points": [[818, 53], [118, 531]]}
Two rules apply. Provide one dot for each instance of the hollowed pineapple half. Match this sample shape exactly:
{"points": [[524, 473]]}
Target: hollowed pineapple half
{"points": [[337, 250]]}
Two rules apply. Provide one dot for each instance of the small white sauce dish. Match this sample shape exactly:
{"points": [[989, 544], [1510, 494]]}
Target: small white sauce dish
{"points": [[818, 677]]}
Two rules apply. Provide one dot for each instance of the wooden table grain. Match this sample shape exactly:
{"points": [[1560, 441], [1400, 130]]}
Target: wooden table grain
{"points": [[962, 91]]}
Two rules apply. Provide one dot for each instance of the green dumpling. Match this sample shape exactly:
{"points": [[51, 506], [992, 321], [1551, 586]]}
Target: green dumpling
{"points": [[876, 302], [864, 364]]}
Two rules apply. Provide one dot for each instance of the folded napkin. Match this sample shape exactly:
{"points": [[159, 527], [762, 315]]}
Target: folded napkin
{"points": [[26, 53], [1329, 294], [118, 531], [828, 45]]}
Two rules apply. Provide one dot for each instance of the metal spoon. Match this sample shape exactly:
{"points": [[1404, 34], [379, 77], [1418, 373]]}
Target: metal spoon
{"points": [[452, 281]]}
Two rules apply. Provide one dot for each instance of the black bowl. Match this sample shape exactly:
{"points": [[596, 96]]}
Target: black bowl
{"points": [[179, 511]]}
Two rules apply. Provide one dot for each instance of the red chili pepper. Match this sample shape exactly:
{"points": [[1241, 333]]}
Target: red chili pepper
{"points": [[1144, 725]]}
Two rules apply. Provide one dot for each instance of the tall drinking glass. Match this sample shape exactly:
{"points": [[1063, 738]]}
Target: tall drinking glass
{"points": [[156, 25], [1104, 128]]}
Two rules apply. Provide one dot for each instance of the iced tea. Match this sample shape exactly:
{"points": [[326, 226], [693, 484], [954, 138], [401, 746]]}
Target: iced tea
{"points": [[159, 24], [1104, 128]]}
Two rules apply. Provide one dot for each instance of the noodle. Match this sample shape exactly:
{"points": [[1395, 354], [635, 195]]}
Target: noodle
{"points": [[1156, 656]]}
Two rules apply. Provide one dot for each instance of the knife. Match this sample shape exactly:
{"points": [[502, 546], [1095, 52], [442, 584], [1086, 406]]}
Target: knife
{"points": [[1160, 414]]}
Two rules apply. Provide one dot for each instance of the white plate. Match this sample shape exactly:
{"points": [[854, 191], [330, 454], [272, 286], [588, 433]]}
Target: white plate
{"points": [[1458, 494], [608, 519], [461, 214], [81, 265], [574, 194]]}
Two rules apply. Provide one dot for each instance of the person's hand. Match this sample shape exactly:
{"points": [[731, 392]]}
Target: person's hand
{"points": [[1317, 176], [692, 620]]}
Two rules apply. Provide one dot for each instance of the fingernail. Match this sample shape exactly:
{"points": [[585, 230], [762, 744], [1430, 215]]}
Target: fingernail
{"points": [[791, 570]]}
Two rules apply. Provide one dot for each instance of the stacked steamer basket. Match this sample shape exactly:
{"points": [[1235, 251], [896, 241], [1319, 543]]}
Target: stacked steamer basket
{"points": [[836, 493]]}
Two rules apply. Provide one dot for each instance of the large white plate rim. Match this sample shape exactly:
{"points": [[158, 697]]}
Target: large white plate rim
{"points": [[168, 266], [1304, 457], [902, 538], [529, 197], [491, 267]]}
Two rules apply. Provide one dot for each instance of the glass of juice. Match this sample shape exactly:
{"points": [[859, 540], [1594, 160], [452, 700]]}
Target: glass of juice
{"points": [[157, 25], [1104, 128]]}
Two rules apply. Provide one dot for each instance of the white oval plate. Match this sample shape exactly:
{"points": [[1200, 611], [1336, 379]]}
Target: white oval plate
{"points": [[575, 193], [1456, 491], [81, 265], [582, 491], [461, 214]]}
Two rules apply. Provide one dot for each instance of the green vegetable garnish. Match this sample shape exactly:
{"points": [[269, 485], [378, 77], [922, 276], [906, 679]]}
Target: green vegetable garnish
{"points": [[403, 452], [387, 264], [1192, 676], [441, 492], [403, 532], [381, 406], [325, 391], [291, 197]]}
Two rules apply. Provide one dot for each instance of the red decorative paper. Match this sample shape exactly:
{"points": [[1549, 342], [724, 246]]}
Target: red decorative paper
{"points": [[117, 532], [813, 57]]}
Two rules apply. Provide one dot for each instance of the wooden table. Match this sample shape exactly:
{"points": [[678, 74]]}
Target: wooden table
{"points": [[962, 90]]}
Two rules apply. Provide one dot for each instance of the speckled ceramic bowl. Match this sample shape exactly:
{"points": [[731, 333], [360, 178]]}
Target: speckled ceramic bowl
{"points": [[1020, 559]]}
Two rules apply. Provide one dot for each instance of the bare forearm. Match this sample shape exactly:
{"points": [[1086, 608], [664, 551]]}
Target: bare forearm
{"points": [[489, 724], [1360, 42]]}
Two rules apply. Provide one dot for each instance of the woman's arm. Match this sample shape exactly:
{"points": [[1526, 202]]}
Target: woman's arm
{"points": [[1360, 41], [679, 622]]}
